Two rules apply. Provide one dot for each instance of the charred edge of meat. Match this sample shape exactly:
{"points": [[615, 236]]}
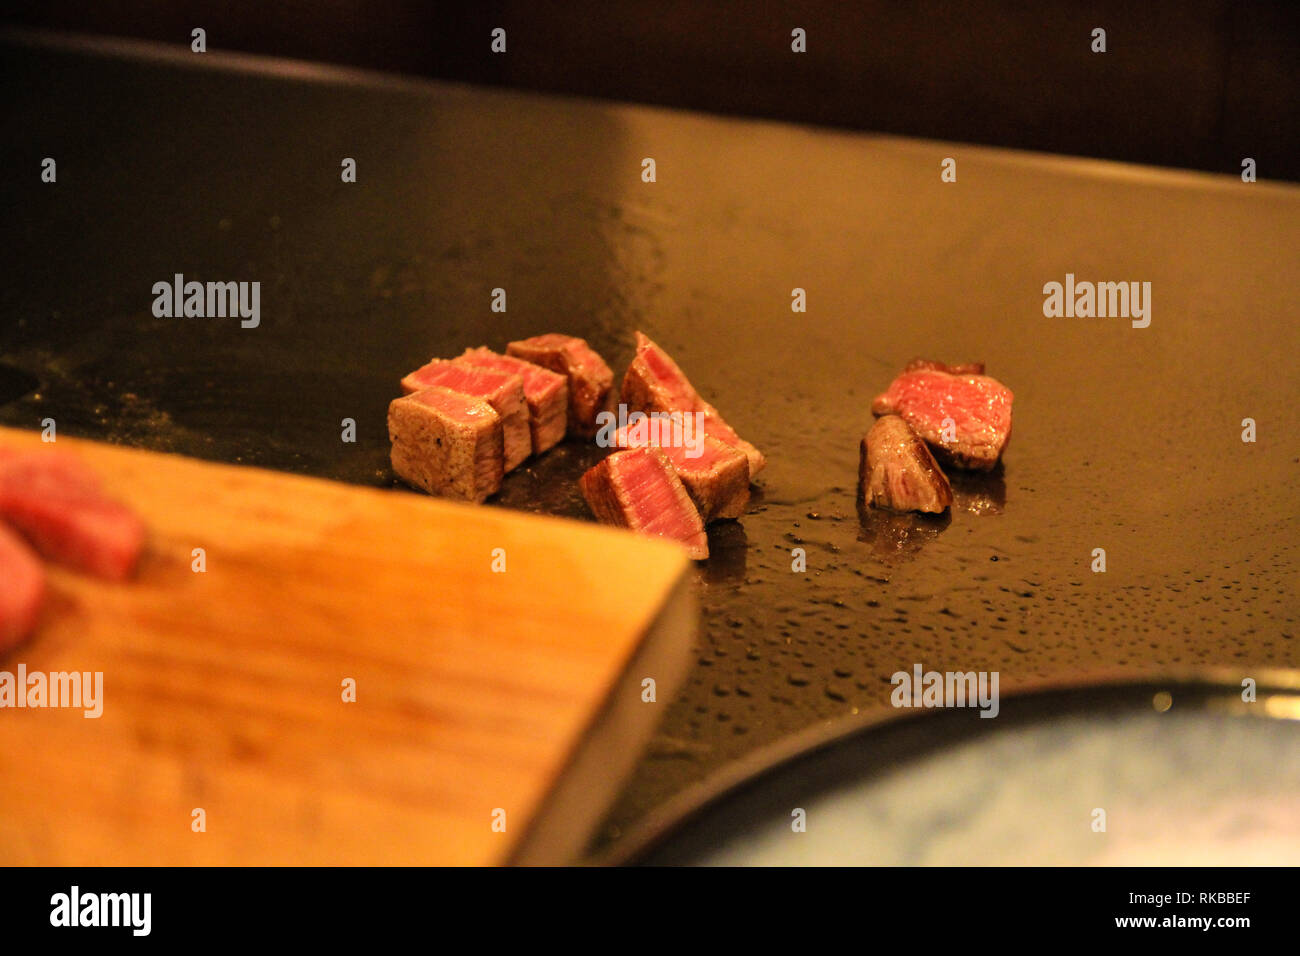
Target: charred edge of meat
{"points": [[722, 491], [981, 460], [897, 471]]}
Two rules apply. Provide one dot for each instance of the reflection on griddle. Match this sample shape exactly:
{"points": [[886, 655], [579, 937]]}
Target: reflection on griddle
{"points": [[728, 545], [893, 535], [978, 492]]}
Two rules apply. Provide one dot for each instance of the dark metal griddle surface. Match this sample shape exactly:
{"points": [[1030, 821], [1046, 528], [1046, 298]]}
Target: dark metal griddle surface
{"points": [[1125, 439]]}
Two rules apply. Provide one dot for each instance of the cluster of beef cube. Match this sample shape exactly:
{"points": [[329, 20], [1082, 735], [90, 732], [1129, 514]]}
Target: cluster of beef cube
{"points": [[464, 423], [932, 413], [662, 487], [53, 507]]}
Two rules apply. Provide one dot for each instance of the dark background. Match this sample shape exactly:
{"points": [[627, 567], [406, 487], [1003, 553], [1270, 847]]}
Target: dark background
{"points": [[1191, 83]]}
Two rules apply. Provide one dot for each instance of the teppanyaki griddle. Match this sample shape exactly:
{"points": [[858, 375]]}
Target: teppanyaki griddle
{"points": [[1181, 769], [228, 169]]}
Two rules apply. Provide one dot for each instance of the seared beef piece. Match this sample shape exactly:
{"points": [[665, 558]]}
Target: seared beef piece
{"points": [[504, 391], [967, 368], [717, 478], [715, 427], [898, 473], [590, 379], [546, 392], [447, 443], [57, 503], [654, 383], [22, 589], [979, 406], [638, 489]]}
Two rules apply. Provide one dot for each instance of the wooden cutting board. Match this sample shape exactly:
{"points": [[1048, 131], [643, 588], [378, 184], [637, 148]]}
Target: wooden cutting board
{"points": [[223, 691]]}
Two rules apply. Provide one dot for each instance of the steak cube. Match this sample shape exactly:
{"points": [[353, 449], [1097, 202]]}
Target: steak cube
{"points": [[639, 490], [654, 383], [717, 478], [546, 392], [590, 379], [502, 390], [57, 503], [447, 443], [897, 471], [964, 418]]}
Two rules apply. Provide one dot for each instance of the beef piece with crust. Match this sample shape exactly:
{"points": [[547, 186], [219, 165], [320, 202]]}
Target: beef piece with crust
{"points": [[447, 443], [546, 392], [977, 408], [589, 378], [639, 490], [504, 391], [717, 478], [654, 383], [897, 471]]}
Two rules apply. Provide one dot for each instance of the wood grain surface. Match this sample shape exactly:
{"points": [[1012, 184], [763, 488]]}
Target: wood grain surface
{"points": [[223, 690]]}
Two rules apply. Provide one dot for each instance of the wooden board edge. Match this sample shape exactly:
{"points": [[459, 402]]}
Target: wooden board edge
{"points": [[399, 493], [608, 750]]}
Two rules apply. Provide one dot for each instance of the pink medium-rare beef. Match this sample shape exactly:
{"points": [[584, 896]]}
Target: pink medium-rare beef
{"points": [[22, 589], [717, 479], [655, 383], [447, 443], [547, 394], [57, 503], [590, 379], [979, 408], [966, 368], [504, 391], [897, 471], [639, 490]]}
